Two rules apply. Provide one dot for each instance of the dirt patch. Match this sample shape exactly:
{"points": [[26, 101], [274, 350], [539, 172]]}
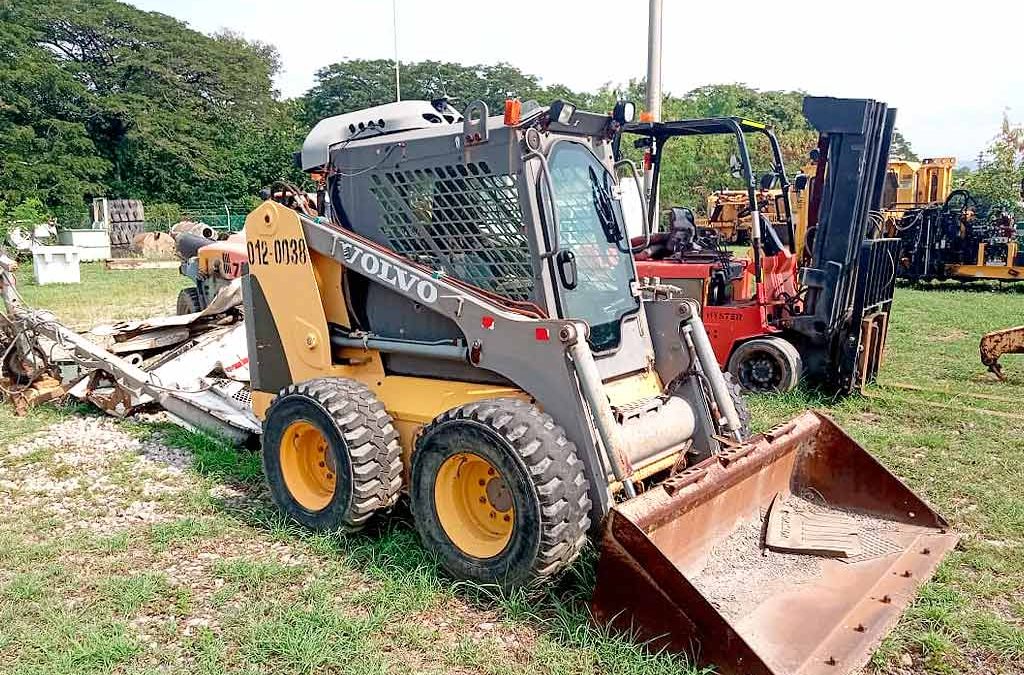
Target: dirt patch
{"points": [[952, 336], [740, 573]]}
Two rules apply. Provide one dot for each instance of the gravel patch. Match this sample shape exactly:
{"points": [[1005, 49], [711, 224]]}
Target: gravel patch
{"points": [[738, 574], [88, 475], [93, 476]]}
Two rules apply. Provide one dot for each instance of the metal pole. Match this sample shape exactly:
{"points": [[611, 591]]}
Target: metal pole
{"points": [[398, 79], [653, 93], [654, 60]]}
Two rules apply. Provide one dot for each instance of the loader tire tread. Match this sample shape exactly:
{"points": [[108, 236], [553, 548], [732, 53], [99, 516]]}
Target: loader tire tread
{"points": [[554, 468], [371, 442], [740, 403]]}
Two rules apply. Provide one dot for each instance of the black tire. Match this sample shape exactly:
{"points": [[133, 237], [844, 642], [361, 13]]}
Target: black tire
{"points": [[361, 439], [768, 364], [188, 301], [549, 491], [740, 403]]}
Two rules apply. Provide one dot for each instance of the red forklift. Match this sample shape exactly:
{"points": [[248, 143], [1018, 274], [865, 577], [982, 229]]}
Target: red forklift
{"points": [[812, 301]]}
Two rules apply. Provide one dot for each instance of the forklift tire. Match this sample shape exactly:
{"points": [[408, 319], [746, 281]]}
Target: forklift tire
{"points": [[331, 454], [499, 494], [188, 301], [768, 364]]}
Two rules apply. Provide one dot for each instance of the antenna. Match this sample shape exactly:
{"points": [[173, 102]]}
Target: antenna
{"points": [[398, 77]]}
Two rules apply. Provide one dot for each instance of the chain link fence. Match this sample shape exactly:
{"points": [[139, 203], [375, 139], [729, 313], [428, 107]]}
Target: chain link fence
{"points": [[225, 217]]}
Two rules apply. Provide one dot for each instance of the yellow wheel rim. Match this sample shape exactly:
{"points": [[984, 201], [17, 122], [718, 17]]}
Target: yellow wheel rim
{"points": [[307, 465], [474, 505]]}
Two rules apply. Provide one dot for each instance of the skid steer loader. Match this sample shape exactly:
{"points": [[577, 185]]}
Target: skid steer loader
{"points": [[458, 317]]}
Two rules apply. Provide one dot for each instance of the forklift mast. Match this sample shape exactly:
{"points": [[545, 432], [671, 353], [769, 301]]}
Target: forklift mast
{"points": [[850, 277]]}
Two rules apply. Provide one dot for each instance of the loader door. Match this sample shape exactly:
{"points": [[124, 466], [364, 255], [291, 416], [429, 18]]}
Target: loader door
{"points": [[591, 232]]}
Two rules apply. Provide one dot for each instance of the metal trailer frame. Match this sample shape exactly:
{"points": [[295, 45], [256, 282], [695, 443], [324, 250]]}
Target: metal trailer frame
{"points": [[205, 407]]}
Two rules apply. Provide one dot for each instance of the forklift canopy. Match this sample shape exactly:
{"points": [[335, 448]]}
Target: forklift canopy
{"points": [[699, 127]]}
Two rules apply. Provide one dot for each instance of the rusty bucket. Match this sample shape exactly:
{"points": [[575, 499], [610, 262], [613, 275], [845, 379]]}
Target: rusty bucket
{"points": [[793, 553]]}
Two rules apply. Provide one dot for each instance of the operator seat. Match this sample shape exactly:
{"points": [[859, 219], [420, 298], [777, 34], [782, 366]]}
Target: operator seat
{"points": [[678, 241]]}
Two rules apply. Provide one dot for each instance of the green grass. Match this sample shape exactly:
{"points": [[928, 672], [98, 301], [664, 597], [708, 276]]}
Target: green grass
{"points": [[128, 594], [47, 638], [377, 602], [105, 296], [182, 531], [253, 576], [216, 458]]}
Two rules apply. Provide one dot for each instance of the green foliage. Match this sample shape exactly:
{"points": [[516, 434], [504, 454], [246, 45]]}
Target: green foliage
{"points": [[101, 98], [360, 83], [901, 147], [1000, 177], [26, 214], [30, 212], [163, 214]]}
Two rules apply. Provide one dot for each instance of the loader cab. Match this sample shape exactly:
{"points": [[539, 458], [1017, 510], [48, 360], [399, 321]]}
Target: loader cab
{"points": [[527, 208]]}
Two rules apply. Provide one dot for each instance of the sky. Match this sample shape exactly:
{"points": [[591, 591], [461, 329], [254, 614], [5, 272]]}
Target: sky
{"points": [[950, 69]]}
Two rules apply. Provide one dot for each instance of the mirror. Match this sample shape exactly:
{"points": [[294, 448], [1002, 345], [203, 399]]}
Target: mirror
{"points": [[566, 263], [735, 166], [768, 180], [800, 182], [631, 199]]}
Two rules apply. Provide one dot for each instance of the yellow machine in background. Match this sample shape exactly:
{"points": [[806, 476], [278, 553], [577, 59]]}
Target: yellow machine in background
{"points": [[909, 184], [913, 184], [728, 213]]}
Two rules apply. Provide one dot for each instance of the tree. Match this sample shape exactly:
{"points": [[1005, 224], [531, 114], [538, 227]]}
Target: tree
{"points": [[356, 84], [900, 147], [999, 178], [97, 97], [694, 167], [45, 148]]}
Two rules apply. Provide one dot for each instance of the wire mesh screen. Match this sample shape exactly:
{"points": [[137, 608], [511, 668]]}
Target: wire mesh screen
{"points": [[461, 218]]}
